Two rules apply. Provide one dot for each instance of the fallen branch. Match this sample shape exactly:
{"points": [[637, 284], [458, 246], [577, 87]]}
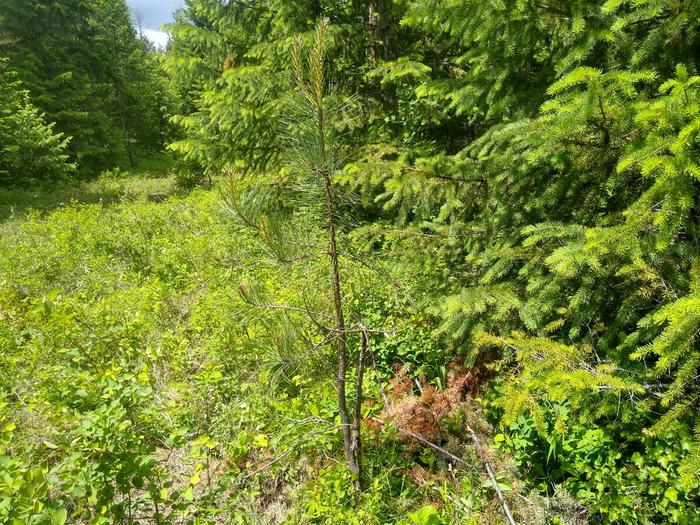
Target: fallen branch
{"points": [[268, 465], [449, 455], [492, 476]]}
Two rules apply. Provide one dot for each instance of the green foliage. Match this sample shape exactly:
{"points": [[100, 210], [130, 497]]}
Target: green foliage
{"points": [[29, 147], [85, 68], [624, 486], [231, 60], [24, 489], [142, 385], [83, 398], [515, 185], [558, 237]]}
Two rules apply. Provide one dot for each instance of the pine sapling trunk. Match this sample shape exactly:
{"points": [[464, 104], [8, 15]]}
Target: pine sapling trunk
{"points": [[314, 93], [342, 346]]}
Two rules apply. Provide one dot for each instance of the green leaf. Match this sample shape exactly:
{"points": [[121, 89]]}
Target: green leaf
{"points": [[261, 441], [671, 494], [59, 516], [427, 515]]}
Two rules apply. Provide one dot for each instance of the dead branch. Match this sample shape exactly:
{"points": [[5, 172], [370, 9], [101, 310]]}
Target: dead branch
{"points": [[491, 475], [268, 465]]}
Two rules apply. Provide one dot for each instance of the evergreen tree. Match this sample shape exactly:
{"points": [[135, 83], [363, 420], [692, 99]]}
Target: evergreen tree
{"points": [[232, 61], [29, 147], [560, 233], [282, 209], [83, 65], [530, 166]]}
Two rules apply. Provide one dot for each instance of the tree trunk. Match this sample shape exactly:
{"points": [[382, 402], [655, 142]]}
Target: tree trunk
{"points": [[313, 91], [357, 418], [340, 327], [373, 34], [125, 134], [378, 15], [338, 307]]}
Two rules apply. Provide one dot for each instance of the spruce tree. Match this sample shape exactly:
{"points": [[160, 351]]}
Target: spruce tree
{"points": [[30, 149]]}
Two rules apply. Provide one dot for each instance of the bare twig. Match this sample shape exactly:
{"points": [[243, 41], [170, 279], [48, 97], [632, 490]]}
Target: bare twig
{"points": [[268, 465], [437, 448], [357, 420], [491, 475]]}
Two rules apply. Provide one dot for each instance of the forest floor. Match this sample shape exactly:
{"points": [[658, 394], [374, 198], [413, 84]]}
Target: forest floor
{"points": [[126, 288]]}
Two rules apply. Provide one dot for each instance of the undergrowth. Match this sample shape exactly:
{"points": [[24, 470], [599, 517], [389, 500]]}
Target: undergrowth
{"points": [[137, 386]]}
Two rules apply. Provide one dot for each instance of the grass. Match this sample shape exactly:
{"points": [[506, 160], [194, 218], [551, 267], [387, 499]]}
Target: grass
{"points": [[103, 280], [110, 188]]}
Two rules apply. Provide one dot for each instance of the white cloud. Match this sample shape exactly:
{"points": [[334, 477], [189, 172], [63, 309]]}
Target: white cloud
{"points": [[159, 38]]}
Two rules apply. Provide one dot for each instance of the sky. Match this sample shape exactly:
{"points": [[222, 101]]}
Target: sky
{"points": [[152, 14]]}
